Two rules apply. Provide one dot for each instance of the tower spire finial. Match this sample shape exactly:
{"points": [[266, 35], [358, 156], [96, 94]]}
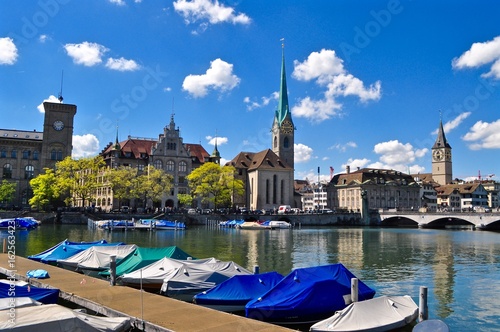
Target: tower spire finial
{"points": [[60, 97]]}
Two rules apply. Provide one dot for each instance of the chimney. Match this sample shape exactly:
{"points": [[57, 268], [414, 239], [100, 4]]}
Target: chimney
{"points": [[358, 168], [348, 169]]}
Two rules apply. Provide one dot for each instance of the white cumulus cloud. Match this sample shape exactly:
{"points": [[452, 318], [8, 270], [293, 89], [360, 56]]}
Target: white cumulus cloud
{"points": [[87, 54], [8, 51], [344, 147], [302, 153], [218, 77], [219, 140], [208, 11], [122, 64], [484, 135], [481, 54], [251, 105], [85, 146], [328, 71]]}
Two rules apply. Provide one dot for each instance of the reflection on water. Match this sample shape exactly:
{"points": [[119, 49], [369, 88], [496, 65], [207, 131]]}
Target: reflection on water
{"points": [[460, 268]]}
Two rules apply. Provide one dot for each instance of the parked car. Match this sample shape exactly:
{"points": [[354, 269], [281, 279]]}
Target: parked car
{"points": [[283, 209], [191, 211]]}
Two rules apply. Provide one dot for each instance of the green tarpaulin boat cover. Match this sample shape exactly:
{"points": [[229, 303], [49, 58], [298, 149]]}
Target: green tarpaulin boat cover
{"points": [[142, 257]]}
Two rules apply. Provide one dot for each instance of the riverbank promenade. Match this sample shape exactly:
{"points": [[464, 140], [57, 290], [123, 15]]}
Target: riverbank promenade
{"points": [[148, 312]]}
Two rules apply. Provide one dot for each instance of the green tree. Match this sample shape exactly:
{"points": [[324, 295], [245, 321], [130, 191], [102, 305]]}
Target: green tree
{"points": [[7, 190], [45, 189], [78, 178], [215, 184], [151, 184], [121, 180], [185, 199]]}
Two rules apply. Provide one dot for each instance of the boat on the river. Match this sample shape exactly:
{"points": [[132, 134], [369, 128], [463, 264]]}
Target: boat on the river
{"points": [[162, 224], [66, 249], [233, 294], [57, 318], [151, 277], [142, 257], [307, 295], [384, 313], [190, 279], [43, 295], [22, 223], [96, 259], [253, 225]]}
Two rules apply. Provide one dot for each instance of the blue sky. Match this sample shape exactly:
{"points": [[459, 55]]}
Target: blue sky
{"points": [[368, 81]]}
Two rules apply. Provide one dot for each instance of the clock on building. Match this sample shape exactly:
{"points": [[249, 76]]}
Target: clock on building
{"points": [[287, 127], [438, 155], [58, 125]]}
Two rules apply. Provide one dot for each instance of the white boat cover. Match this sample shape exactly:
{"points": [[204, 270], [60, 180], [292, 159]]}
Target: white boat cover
{"points": [[97, 257], [19, 302], [156, 272], [55, 318], [190, 279], [379, 314]]}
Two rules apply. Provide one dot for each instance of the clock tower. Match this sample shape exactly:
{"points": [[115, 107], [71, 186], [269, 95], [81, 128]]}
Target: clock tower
{"points": [[283, 130], [57, 132], [441, 159]]}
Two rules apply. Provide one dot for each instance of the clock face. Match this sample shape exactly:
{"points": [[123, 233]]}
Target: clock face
{"points": [[58, 125], [438, 155], [447, 155], [286, 127]]}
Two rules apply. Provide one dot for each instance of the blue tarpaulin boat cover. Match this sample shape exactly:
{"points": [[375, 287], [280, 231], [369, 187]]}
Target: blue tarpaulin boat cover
{"points": [[239, 289], [307, 295], [66, 249], [44, 295]]}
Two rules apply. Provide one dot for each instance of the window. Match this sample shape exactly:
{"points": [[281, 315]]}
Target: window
{"points": [[275, 142], [182, 179], [140, 167], [7, 171], [13, 154], [26, 154], [3, 154], [171, 146], [158, 164], [29, 172], [170, 166], [35, 155], [182, 166]]}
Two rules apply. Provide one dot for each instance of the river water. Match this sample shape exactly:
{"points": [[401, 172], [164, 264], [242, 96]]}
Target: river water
{"points": [[461, 269]]}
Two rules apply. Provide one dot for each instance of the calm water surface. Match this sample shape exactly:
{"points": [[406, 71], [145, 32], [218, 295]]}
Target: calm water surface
{"points": [[460, 268]]}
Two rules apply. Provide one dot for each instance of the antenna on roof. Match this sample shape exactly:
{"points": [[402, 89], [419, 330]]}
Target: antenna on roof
{"points": [[60, 97]]}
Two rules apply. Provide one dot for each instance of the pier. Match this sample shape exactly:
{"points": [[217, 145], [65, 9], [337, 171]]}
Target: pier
{"points": [[147, 311]]}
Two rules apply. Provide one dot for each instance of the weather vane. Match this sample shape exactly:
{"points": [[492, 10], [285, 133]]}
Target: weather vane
{"points": [[282, 42]]}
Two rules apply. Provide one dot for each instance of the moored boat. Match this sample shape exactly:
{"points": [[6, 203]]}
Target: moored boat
{"points": [[307, 295], [233, 294], [185, 282], [379, 314]]}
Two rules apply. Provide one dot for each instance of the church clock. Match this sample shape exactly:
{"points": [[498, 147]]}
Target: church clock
{"points": [[437, 155], [287, 127]]}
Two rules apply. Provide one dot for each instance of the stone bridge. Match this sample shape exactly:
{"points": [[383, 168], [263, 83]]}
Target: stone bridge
{"points": [[480, 220]]}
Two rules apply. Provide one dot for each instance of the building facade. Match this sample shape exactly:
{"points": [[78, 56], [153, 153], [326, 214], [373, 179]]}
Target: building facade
{"points": [[384, 189], [24, 154], [168, 152]]}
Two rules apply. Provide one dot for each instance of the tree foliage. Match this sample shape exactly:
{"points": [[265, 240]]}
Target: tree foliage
{"points": [[45, 188], [121, 181], [7, 191], [151, 184], [78, 178], [215, 184]]}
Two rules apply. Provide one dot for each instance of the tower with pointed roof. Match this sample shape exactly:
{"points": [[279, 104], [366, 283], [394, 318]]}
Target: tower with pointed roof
{"points": [[215, 156], [441, 158], [283, 130]]}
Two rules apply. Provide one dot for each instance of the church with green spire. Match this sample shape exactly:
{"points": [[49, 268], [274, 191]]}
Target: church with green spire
{"points": [[268, 175]]}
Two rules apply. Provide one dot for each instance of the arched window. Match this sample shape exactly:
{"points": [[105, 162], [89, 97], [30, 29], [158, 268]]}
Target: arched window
{"points": [[3, 153], [275, 189], [59, 155], [13, 154], [26, 154], [267, 191], [29, 172], [53, 154], [35, 155], [7, 171], [170, 166], [286, 142], [182, 166], [158, 164], [275, 142]]}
